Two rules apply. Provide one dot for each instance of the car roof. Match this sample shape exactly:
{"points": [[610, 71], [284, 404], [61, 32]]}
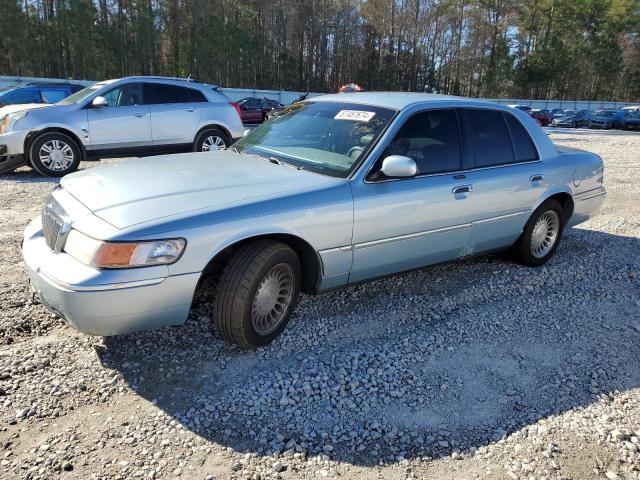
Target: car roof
{"points": [[399, 100], [169, 80]]}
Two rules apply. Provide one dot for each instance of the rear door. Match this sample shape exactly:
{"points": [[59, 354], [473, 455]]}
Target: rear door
{"points": [[175, 113], [124, 123], [507, 179]]}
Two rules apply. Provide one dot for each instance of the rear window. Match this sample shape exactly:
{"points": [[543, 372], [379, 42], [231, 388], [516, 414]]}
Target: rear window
{"points": [[523, 148], [490, 137]]}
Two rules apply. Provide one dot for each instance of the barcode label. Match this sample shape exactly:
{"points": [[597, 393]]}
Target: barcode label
{"points": [[354, 115]]}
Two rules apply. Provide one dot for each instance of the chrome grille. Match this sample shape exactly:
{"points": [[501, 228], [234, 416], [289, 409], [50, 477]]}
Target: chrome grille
{"points": [[53, 224]]}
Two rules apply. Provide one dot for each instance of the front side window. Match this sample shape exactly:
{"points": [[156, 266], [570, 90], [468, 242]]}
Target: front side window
{"points": [[125, 96], [324, 137], [431, 139], [23, 95], [490, 137]]}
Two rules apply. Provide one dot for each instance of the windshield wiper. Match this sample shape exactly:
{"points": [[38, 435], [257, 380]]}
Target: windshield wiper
{"points": [[275, 161]]}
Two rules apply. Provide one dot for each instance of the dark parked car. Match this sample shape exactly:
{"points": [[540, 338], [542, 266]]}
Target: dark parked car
{"points": [[524, 108], [37, 93], [256, 110], [572, 119], [544, 116], [602, 118], [632, 121]]}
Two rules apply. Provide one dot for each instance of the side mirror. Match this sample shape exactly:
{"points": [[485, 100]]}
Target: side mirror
{"points": [[99, 102], [398, 166]]}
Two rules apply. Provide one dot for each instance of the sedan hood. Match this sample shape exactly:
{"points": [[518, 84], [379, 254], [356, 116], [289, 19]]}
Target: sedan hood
{"points": [[147, 189]]}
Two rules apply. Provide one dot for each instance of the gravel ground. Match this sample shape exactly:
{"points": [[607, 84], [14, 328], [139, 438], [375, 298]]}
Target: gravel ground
{"points": [[482, 369]]}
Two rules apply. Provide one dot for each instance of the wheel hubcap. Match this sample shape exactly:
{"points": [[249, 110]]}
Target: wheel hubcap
{"points": [[272, 299], [545, 234], [56, 155], [213, 143]]}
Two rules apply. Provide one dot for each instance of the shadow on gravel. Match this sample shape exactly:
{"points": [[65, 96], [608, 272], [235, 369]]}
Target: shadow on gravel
{"points": [[421, 364], [26, 175]]}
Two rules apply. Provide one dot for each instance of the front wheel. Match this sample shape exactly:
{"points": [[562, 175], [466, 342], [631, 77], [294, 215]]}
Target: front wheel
{"points": [[256, 294], [211, 140], [541, 235], [54, 154]]}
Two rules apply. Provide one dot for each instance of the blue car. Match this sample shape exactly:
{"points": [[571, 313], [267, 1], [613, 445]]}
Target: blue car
{"points": [[37, 93], [333, 191]]}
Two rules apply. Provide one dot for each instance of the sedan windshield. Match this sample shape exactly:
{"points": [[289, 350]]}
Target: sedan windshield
{"points": [[324, 137]]}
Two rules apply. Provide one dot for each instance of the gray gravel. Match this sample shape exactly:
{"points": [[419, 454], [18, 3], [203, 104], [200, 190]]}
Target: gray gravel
{"points": [[483, 369]]}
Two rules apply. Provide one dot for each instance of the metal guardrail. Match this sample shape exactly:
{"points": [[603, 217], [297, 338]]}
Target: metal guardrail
{"points": [[286, 97]]}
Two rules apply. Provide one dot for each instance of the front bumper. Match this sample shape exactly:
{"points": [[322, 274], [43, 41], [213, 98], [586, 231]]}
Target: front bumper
{"points": [[12, 151], [104, 308], [13, 142]]}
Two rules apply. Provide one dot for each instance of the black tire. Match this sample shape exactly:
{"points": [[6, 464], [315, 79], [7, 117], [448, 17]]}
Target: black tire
{"points": [[237, 300], [54, 167], [523, 249], [206, 136]]}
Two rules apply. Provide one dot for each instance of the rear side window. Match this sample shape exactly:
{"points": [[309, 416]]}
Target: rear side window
{"points": [[523, 149], [490, 137], [53, 95], [432, 139], [196, 96], [157, 93]]}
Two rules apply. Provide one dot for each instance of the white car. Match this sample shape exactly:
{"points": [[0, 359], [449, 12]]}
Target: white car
{"points": [[129, 116]]}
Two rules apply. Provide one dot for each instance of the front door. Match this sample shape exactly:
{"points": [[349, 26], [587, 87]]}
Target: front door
{"points": [[124, 123], [400, 224]]}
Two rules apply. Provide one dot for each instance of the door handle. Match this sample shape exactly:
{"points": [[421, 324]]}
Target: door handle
{"points": [[462, 189], [536, 178], [139, 114], [190, 109]]}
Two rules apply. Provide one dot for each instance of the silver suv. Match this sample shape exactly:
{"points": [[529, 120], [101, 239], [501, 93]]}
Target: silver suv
{"points": [[129, 116]]}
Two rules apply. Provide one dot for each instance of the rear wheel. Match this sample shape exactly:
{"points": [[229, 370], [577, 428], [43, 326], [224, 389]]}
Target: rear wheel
{"points": [[256, 293], [54, 154], [210, 140], [541, 235]]}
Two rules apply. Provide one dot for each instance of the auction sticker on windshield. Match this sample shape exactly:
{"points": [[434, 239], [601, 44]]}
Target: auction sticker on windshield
{"points": [[354, 115]]}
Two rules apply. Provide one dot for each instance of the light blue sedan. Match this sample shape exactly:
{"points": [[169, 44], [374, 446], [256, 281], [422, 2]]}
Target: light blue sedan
{"points": [[330, 192]]}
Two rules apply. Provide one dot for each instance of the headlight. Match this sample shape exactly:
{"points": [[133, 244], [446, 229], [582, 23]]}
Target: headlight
{"points": [[9, 121], [5, 124], [97, 253]]}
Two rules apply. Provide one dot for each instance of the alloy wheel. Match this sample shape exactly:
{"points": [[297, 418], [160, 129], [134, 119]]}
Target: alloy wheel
{"points": [[213, 143], [545, 234], [56, 155]]}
